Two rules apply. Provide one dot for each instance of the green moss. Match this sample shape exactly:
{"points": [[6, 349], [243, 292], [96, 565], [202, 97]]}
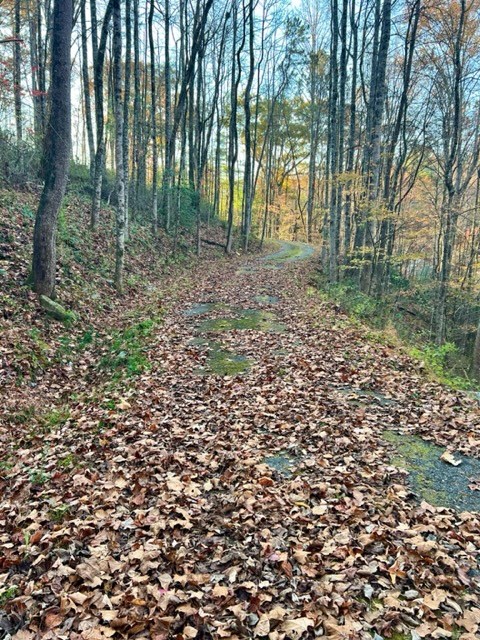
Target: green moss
{"points": [[24, 416], [38, 477], [38, 424], [437, 360], [56, 311], [248, 319], [201, 342], [56, 418], [226, 363], [372, 604], [438, 483], [7, 464]]}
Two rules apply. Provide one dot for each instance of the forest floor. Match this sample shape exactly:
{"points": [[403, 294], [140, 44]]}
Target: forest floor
{"points": [[243, 481]]}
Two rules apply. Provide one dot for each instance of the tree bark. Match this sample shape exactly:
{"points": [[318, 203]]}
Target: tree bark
{"points": [[119, 148], [247, 175], [334, 139], [99, 59], [153, 115], [236, 71], [86, 91], [126, 111], [351, 131], [57, 152], [17, 70], [169, 157]]}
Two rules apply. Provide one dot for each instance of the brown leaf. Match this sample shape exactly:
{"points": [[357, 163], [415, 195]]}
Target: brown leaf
{"points": [[297, 627]]}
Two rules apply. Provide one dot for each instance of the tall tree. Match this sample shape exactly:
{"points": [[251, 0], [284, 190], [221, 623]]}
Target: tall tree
{"points": [[17, 80], [233, 130], [99, 49], [126, 109], [168, 169], [153, 116], [457, 172], [57, 152], [248, 170], [86, 88], [334, 129], [119, 146]]}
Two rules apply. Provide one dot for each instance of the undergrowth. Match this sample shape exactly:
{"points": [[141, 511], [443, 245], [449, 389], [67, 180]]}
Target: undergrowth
{"points": [[126, 349], [387, 322]]}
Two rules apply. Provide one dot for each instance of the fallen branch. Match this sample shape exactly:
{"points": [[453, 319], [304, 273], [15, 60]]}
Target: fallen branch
{"points": [[213, 243]]}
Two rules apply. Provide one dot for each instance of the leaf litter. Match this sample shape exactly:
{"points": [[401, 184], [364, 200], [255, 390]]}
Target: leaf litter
{"points": [[167, 522]]}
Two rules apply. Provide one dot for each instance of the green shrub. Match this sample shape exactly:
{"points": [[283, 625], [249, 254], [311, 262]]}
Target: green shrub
{"points": [[441, 362]]}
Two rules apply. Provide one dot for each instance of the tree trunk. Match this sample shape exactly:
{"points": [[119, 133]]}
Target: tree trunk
{"points": [[236, 72], [314, 138], [247, 175], [334, 130], [136, 103], [153, 98], [126, 111], [232, 134], [34, 64], [352, 132], [57, 152], [86, 91], [169, 157], [388, 196], [476, 354], [452, 179], [17, 70], [119, 149], [99, 50]]}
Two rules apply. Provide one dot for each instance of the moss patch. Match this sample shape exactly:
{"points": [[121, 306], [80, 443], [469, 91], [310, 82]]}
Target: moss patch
{"points": [[252, 319], [223, 363], [437, 482]]}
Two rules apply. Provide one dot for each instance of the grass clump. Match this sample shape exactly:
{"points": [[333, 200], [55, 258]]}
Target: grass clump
{"points": [[59, 514], [7, 594], [126, 354], [67, 462]]}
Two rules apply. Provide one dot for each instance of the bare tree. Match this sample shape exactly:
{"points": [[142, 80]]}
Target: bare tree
{"points": [[119, 146], [57, 152]]}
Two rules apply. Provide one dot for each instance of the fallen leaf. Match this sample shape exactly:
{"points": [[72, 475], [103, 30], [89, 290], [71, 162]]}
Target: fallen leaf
{"points": [[296, 627], [448, 457]]}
